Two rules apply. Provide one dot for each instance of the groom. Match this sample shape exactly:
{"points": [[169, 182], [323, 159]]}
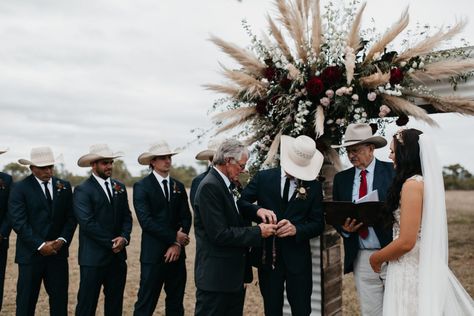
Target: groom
{"points": [[366, 175]]}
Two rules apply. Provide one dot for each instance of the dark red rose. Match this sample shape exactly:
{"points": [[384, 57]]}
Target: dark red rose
{"points": [[262, 107], [270, 73], [314, 86], [331, 75], [285, 83], [402, 120], [396, 76]]}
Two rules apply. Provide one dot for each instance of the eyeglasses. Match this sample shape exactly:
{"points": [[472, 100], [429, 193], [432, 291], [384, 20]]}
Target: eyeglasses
{"points": [[355, 150], [242, 166]]}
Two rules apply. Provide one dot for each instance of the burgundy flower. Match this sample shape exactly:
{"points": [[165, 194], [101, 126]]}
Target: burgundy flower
{"points": [[402, 120], [261, 107], [285, 83], [270, 73], [396, 76], [314, 86], [331, 75]]}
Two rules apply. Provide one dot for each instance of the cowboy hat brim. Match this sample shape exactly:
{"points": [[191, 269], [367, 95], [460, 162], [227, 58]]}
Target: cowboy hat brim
{"points": [[378, 141], [145, 158], [205, 154], [308, 172], [87, 159], [27, 162]]}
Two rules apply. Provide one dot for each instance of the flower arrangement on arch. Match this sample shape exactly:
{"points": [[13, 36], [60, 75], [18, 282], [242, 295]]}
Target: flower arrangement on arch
{"points": [[317, 71]]}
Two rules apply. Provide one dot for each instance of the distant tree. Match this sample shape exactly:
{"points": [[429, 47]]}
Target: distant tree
{"points": [[61, 172], [184, 174], [17, 171], [121, 172], [456, 177]]}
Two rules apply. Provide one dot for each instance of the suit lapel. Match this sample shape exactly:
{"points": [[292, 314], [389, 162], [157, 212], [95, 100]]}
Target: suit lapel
{"points": [[348, 184], [101, 192], [229, 195], [38, 191]]}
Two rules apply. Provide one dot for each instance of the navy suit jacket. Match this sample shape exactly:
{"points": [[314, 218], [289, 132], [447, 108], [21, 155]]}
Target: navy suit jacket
{"points": [[33, 220], [222, 237], [160, 220], [342, 191], [306, 214], [195, 184], [100, 221], [5, 187]]}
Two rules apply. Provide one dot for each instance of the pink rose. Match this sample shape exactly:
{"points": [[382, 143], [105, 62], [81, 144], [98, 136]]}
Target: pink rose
{"points": [[325, 101], [371, 96]]}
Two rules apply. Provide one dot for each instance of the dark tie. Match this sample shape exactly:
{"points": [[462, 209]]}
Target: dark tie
{"points": [[47, 193], [364, 230], [231, 188], [165, 188], [286, 192], [108, 191]]}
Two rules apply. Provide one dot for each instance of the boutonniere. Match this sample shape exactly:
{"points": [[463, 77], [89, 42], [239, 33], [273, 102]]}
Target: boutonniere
{"points": [[60, 186], [176, 190], [117, 188], [301, 191], [236, 193]]}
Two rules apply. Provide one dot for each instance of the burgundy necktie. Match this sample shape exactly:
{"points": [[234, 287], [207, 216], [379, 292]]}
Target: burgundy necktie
{"points": [[364, 230]]}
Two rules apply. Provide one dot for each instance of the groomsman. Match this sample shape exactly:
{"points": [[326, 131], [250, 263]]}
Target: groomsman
{"points": [[366, 175], [222, 236], [162, 208], [40, 211], [5, 228], [203, 155], [105, 223], [295, 197]]}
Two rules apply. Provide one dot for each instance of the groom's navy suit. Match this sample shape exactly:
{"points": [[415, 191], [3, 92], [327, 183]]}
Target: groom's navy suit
{"points": [[100, 221], [35, 222], [293, 254], [5, 228], [160, 220], [342, 191]]}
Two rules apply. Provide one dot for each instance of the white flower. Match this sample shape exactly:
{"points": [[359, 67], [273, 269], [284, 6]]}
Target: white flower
{"points": [[325, 101], [340, 92], [371, 96], [414, 65], [330, 93], [356, 116], [403, 64], [421, 64], [348, 90], [338, 121], [355, 97], [364, 114], [329, 122]]}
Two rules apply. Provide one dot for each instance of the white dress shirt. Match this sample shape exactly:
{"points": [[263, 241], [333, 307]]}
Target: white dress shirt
{"points": [[282, 186], [160, 179]]}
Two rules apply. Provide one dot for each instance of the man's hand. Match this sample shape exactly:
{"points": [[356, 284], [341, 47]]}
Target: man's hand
{"points": [[48, 249], [118, 244], [172, 254], [267, 230], [375, 263], [285, 228], [58, 244], [267, 216], [182, 238], [351, 225]]}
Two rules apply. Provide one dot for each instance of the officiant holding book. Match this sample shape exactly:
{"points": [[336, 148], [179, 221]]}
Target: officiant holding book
{"points": [[360, 241]]}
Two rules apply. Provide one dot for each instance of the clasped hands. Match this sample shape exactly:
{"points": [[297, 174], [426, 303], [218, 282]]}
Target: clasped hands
{"points": [[51, 247], [271, 227], [173, 252]]}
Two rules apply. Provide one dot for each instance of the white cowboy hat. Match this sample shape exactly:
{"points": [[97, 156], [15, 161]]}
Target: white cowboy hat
{"points": [[209, 153], [3, 150], [361, 133], [300, 158], [160, 148], [39, 157], [97, 152]]}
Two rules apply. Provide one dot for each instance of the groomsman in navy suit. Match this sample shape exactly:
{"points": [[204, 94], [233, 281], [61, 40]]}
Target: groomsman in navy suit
{"points": [[105, 223], [162, 208], [40, 211], [5, 228], [295, 197], [360, 241]]}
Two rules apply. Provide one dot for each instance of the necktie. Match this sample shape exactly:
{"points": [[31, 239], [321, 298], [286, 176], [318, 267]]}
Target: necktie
{"points": [[286, 191], [165, 188], [108, 191], [364, 230], [47, 193]]}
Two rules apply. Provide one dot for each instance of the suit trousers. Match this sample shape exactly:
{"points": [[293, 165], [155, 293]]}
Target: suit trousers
{"points": [[113, 277], [219, 303], [152, 278], [369, 285], [54, 272], [3, 266], [299, 287]]}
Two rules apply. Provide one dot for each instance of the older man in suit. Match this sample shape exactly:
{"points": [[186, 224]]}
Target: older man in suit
{"points": [[367, 174], [40, 211], [222, 237], [105, 223], [5, 228], [162, 208], [295, 196]]}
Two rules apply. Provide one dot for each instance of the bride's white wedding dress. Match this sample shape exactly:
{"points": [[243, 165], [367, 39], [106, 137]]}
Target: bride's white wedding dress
{"points": [[420, 282]]}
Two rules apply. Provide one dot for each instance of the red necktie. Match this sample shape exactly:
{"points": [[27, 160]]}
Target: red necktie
{"points": [[364, 230]]}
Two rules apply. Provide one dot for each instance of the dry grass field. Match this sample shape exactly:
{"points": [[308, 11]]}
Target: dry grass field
{"points": [[461, 234]]}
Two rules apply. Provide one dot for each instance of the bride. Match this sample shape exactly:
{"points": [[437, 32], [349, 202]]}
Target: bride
{"points": [[419, 281]]}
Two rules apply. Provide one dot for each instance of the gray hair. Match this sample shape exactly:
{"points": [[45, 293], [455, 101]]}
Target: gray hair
{"points": [[229, 148]]}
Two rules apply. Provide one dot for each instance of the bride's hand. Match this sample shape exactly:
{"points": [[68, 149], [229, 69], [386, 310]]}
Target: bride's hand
{"points": [[375, 263]]}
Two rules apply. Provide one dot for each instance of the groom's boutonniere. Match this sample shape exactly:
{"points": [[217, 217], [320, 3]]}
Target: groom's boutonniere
{"points": [[117, 188], [60, 186], [301, 191], [176, 190]]}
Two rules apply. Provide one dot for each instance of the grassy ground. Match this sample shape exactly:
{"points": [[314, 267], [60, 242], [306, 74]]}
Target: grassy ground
{"points": [[460, 217]]}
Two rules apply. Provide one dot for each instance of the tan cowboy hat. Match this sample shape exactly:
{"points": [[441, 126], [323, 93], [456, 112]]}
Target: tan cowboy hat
{"points": [[39, 157], [361, 133], [300, 158], [97, 152], [160, 148], [209, 153], [3, 150]]}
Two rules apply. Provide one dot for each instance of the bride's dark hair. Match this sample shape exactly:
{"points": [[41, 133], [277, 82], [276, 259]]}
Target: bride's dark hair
{"points": [[407, 164]]}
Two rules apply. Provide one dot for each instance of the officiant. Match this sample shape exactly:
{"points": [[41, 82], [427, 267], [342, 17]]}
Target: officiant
{"points": [[360, 241]]}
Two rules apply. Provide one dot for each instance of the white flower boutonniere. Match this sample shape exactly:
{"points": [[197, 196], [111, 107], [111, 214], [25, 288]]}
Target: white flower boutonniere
{"points": [[60, 186], [301, 191], [117, 188], [176, 190]]}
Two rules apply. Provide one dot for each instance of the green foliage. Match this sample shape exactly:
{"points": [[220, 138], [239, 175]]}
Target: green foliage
{"points": [[456, 177], [184, 174], [17, 171]]}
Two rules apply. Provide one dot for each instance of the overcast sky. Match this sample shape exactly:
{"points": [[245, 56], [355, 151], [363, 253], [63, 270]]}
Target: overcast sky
{"points": [[129, 72]]}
